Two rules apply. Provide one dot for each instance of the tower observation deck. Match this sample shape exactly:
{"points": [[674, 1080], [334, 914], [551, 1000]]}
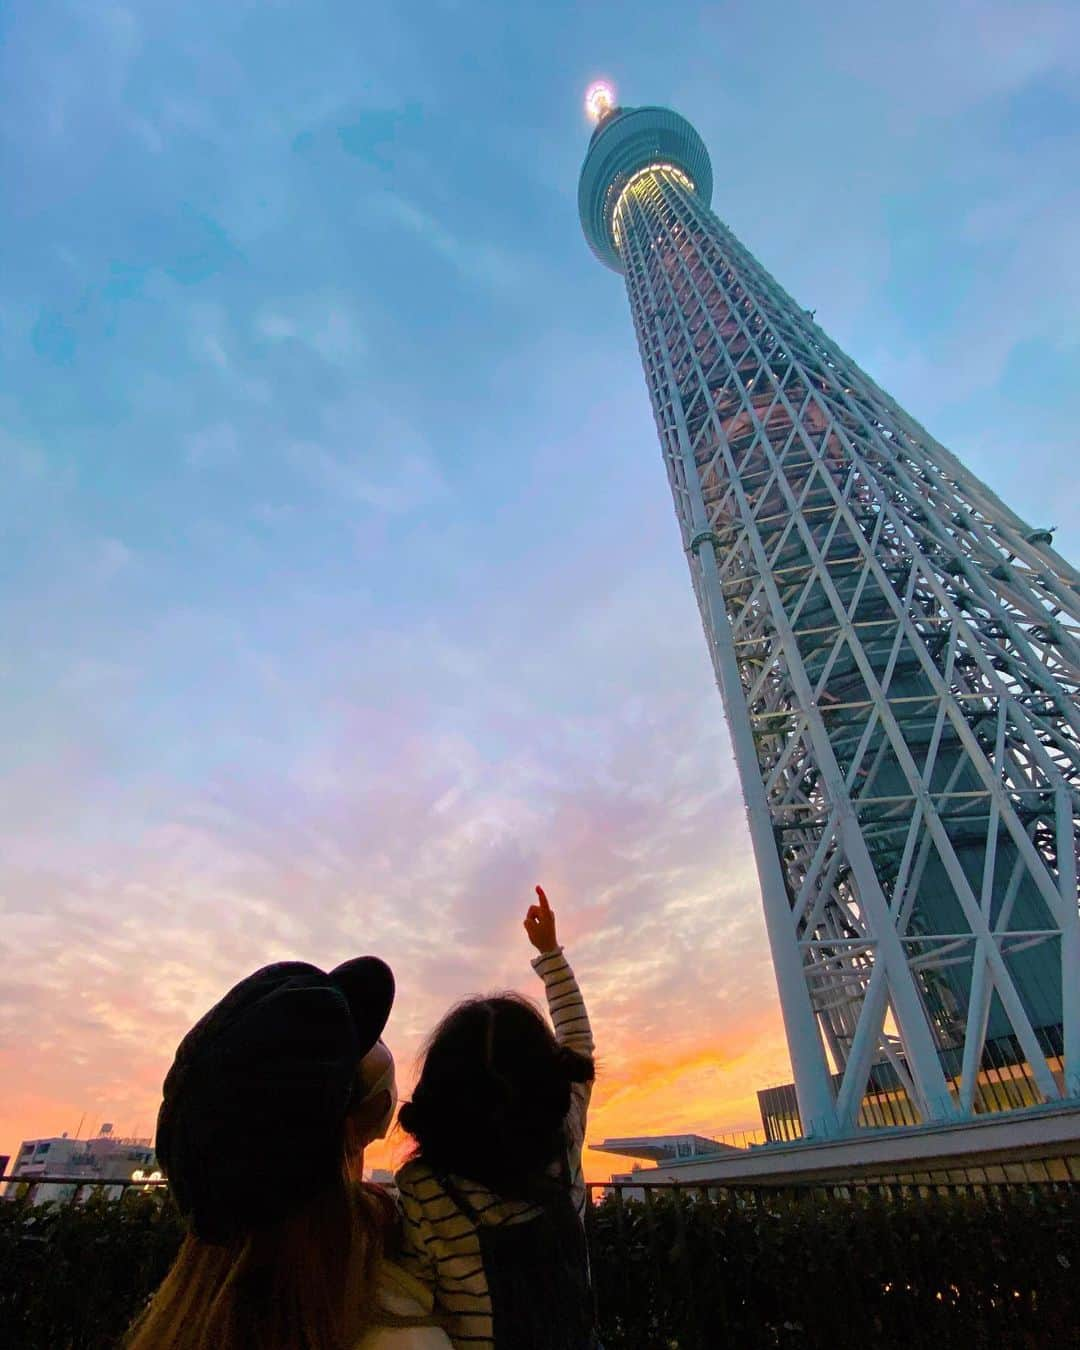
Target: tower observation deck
{"points": [[899, 660]]}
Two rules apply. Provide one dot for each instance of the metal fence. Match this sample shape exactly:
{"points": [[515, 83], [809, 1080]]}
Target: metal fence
{"points": [[62, 1189], [48, 1179]]}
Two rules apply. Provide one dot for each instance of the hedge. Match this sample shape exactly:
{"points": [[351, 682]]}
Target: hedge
{"points": [[72, 1277], [803, 1269], [787, 1271]]}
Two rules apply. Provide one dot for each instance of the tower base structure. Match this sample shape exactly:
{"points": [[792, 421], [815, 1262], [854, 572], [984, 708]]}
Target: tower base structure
{"points": [[1022, 1148]]}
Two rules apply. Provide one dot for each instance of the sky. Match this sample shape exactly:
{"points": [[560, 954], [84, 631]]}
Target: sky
{"points": [[341, 598]]}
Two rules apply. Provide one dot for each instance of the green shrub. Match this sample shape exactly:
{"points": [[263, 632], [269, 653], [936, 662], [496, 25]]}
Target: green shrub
{"points": [[72, 1277], [777, 1270], [810, 1269]]}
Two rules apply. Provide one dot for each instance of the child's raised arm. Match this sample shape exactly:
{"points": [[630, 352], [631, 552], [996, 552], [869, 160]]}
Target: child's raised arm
{"points": [[565, 1003], [572, 1029]]}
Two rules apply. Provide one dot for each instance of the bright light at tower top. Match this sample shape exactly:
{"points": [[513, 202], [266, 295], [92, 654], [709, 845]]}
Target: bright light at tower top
{"points": [[599, 99]]}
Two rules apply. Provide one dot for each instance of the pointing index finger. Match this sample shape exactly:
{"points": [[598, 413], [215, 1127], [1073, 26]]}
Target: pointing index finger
{"points": [[543, 900]]}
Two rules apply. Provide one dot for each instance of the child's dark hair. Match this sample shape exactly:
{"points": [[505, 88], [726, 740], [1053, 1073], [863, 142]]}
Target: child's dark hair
{"points": [[493, 1095]]}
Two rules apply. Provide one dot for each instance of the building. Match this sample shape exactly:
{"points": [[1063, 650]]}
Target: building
{"points": [[82, 1163], [660, 1148], [899, 660], [1041, 1144]]}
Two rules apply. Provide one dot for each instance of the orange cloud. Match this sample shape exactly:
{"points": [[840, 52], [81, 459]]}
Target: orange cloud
{"points": [[710, 1089], [393, 827]]}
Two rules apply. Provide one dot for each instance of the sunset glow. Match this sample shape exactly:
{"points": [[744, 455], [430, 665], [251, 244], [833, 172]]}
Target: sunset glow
{"points": [[344, 596]]}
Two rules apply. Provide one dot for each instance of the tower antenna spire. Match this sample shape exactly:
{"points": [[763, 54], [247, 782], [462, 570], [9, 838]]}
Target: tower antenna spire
{"points": [[599, 100]]}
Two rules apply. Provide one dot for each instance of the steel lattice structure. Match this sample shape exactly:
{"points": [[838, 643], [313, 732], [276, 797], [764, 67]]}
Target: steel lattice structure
{"points": [[899, 660]]}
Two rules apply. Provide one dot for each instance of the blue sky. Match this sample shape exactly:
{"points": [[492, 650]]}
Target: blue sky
{"points": [[341, 593]]}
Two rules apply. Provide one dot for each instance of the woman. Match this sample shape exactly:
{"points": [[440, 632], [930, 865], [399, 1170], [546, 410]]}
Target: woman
{"points": [[266, 1111]]}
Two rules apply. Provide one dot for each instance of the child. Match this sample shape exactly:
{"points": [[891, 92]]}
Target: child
{"points": [[493, 1198]]}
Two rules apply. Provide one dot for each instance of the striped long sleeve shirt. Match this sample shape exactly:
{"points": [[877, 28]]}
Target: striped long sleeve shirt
{"points": [[441, 1242]]}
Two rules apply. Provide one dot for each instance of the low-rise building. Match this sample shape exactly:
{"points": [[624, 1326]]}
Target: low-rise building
{"points": [[657, 1149], [84, 1163], [661, 1148]]}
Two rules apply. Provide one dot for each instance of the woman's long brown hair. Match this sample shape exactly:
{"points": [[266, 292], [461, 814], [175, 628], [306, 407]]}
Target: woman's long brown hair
{"points": [[307, 1283]]}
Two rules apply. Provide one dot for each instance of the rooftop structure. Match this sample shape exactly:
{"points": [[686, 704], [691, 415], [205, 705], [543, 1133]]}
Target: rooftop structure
{"points": [[660, 1148]]}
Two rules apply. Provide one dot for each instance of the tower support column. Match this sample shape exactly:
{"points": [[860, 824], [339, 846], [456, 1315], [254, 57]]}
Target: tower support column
{"points": [[813, 1083]]}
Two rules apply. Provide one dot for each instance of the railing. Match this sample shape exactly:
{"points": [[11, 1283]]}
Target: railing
{"points": [[734, 1138], [48, 1179], [639, 1184], [15, 1182]]}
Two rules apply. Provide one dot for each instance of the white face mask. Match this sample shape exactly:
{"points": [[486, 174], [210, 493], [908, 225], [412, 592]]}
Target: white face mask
{"points": [[377, 1075]]}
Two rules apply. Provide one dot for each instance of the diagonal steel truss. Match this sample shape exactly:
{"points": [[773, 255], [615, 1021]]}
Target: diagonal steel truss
{"points": [[899, 657]]}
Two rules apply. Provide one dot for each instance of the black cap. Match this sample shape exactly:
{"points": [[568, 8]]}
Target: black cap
{"points": [[253, 1110]]}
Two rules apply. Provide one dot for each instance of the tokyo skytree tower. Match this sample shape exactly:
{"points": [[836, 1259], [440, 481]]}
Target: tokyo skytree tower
{"points": [[899, 660]]}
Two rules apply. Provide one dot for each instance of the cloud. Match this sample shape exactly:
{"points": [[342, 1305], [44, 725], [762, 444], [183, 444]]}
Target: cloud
{"points": [[439, 893], [966, 53], [486, 263], [391, 826], [326, 326], [367, 455], [29, 468], [213, 446], [111, 556], [213, 342]]}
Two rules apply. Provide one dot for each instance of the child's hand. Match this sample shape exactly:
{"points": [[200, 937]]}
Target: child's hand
{"points": [[540, 924]]}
